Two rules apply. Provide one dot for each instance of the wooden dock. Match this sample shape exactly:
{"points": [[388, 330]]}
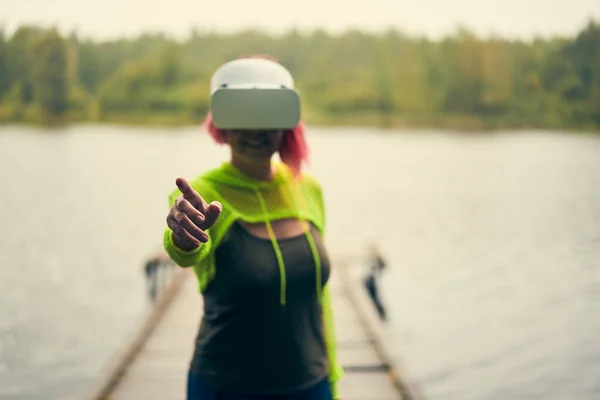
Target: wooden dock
{"points": [[154, 365]]}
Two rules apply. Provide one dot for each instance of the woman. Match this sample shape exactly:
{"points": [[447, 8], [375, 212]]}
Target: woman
{"points": [[252, 229]]}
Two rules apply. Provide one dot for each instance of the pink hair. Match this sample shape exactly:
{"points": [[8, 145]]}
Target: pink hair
{"points": [[293, 151]]}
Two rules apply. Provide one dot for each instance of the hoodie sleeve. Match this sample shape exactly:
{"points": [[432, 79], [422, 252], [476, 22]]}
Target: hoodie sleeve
{"points": [[181, 257]]}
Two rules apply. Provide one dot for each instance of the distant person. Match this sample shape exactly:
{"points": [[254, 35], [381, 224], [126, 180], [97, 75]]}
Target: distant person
{"points": [[376, 265], [152, 270], [252, 230]]}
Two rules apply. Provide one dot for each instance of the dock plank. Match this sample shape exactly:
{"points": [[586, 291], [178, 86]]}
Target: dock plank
{"points": [[160, 369]]}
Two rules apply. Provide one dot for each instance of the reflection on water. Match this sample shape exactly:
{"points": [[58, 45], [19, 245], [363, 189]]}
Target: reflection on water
{"points": [[493, 285]]}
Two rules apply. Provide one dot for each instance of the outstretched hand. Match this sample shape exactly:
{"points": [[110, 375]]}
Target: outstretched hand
{"points": [[191, 216]]}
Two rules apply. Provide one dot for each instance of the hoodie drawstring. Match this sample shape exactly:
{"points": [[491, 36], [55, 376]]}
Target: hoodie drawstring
{"points": [[278, 254], [316, 258], [283, 284], [311, 242]]}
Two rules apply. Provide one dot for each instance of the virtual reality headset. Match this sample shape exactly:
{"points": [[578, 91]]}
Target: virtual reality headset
{"points": [[251, 94], [256, 108]]}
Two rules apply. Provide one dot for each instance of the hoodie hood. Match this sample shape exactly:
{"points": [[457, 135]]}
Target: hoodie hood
{"points": [[229, 175]]}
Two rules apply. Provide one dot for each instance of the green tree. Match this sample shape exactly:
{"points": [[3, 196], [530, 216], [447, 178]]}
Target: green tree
{"points": [[5, 73], [49, 73], [19, 48], [465, 92]]}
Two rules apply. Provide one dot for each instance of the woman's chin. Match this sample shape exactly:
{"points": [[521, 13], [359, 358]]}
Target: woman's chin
{"points": [[258, 153]]}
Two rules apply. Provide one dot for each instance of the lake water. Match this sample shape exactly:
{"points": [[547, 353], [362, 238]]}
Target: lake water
{"points": [[493, 243]]}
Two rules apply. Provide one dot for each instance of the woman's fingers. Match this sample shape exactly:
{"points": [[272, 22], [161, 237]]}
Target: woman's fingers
{"points": [[212, 213], [185, 229], [183, 239], [188, 209], [191, 195], [193, 229]]}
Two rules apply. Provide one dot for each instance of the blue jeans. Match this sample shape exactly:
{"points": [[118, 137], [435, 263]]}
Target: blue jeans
{"points": [[196, 390]]}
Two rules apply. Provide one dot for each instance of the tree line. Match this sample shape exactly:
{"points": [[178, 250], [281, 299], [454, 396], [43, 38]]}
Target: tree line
{"points": [[388, 79]]}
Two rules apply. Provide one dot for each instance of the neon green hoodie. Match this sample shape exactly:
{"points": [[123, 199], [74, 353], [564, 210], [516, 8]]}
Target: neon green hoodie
{"points": [[256, 201]]}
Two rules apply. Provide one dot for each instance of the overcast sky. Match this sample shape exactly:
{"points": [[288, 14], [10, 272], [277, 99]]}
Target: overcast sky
{"points": [[113, 18]]}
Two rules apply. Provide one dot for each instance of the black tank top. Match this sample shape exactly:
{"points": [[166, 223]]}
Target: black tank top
{"points": [[248, 342]]}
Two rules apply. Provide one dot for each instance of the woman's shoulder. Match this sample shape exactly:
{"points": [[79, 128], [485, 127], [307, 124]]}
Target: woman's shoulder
{"points": [[310, 181], [312, 189]]}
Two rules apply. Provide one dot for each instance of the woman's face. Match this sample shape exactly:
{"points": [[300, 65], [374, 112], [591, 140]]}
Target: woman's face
{"points": [[255, 145]]}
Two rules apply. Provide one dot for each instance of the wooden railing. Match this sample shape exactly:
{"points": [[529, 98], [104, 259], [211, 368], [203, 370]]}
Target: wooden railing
{"points": [[371, 321], [116, 367]]}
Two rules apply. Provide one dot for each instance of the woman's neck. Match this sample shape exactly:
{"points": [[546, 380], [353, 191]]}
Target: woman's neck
{"points": [[255, 170]]}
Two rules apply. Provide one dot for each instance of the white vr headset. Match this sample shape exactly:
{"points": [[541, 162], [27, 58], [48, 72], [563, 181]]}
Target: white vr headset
{"points": [[254, 93]]}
